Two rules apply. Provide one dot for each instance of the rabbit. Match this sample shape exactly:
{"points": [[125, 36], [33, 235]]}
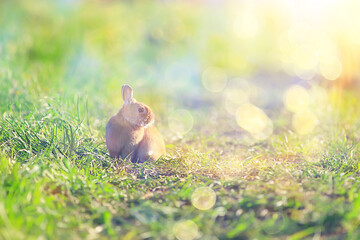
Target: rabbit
{"points": [[131, 133]]}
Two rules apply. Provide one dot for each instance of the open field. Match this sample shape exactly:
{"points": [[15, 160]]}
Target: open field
{"points": [[280, 167]]}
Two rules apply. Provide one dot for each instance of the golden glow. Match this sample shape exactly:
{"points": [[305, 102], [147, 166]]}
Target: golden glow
{"points": [[214, 79], [320, 97], [304, 122], [296, 98], [186, 230], [181, 121], [254, 120], [299, 33], [233, 98], [330, 68], [354, 34], [325, 47], [246, 25], [203, 198], [305, 61]]}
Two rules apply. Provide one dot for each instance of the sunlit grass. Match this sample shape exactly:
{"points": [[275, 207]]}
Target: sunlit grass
{"points": [[55, 168], [262, 139]]}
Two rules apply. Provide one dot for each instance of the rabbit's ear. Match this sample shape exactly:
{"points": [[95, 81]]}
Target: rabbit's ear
{"points": [[127, 94]]}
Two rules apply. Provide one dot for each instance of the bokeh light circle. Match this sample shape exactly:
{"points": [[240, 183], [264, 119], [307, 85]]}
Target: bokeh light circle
{"points": [[254, 120], [203, 198], [296, 98], [181, 121], [305, 57], [274, 225], [233, 98], [305, 61], [330, 68], [186, 230], [304, 122], [214, 79]]}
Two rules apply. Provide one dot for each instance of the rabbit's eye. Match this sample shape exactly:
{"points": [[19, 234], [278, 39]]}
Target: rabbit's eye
{"points": [[141, 109]]}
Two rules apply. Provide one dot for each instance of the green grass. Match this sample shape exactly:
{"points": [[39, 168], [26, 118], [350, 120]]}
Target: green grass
{"points": [[57, 180]]}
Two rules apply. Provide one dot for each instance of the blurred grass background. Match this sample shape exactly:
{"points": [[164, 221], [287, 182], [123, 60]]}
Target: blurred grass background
{"points": [[82, 46], [178, 53], [257, 100]]}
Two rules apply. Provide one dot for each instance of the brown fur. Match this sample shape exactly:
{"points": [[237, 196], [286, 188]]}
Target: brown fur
{"points": [[131, 133]]}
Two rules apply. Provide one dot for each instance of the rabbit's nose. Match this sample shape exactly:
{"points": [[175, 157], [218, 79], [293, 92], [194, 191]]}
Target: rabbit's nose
{"points": [[141, 109]]}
